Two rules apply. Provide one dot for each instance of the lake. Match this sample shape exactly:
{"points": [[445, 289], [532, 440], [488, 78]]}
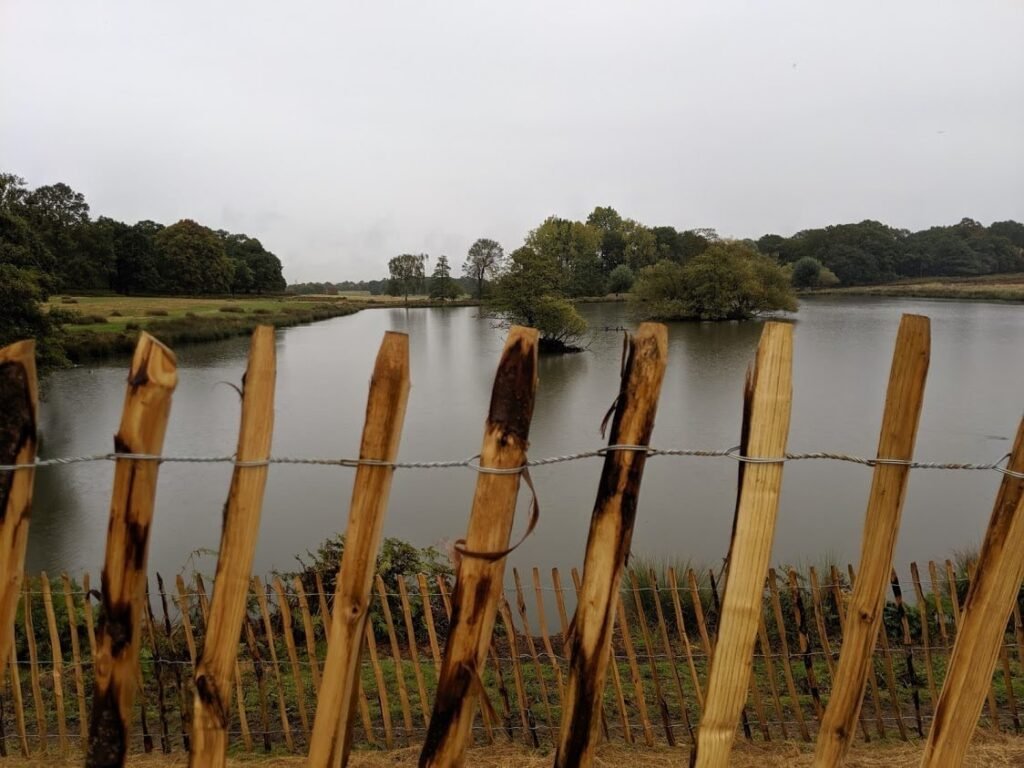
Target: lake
{"points": [[843, 348]]}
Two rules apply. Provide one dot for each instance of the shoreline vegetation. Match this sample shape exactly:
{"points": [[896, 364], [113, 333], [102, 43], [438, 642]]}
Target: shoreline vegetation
{"points": [[1005, 287]]}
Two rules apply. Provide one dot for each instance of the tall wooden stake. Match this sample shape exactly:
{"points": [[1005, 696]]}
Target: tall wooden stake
{"points": [[881, 523], [990, 600], [385, 414], [478, 586], [19, 403], [211, 707], [608, 543], [151, 382], [767, 406]]}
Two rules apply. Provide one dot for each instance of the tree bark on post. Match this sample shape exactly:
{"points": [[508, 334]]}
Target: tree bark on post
{"points": [[385, 415], [611, 532], [478, 586], [151, 382], [19, 403]]}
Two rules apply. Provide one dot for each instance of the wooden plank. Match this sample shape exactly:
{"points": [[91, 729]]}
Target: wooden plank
{"points": [[480, 579], [275, 667], [33, 668], [716, 606], [213, 675], [922, 607], [382, 691], [549, 649], [673, 587], [670, 655], [186, 739], [767, 405], [56, 663], [151, 382], [298, 683], [608, 543], [309, 632], [652, 662], [159, 668], [428, 618], [382, 429], [414, 655], [532, 648], [613, 663], [872, 682], [19, 413], [396, 657], [900, 418], [940, 612], [787, 667], [634, 670], [19, 701], [954, 600], [908, 652], [804, 640], [517, 672], [990, 599], [325, 612], [769, 664]]}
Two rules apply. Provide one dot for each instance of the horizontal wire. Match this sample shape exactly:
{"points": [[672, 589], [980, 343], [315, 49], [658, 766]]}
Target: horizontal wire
{"points": [[473, 461]]}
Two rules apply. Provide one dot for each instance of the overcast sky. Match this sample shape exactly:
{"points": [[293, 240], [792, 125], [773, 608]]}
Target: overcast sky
{"points": [[341, 134]]}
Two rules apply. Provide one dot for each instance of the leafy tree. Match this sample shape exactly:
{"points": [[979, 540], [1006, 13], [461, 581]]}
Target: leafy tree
{"points": [[12, 191], [483, 261], [642, 249], [23, 317], [620, 280], [407, 273], [730, 281], [528, 294], [192, 259], [256, 270], [442, 286], [806, 272], [605, 219], [574, 248]]}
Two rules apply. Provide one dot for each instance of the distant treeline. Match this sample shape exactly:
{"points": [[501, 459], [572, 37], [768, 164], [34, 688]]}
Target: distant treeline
{"points": [[48, 234], [384, 287]]}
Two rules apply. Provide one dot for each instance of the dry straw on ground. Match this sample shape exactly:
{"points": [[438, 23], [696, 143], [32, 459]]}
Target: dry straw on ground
{"points": [[987, 751]]}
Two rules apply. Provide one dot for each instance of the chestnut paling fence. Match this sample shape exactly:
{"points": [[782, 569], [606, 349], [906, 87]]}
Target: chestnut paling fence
{"points": [[320, 664]]}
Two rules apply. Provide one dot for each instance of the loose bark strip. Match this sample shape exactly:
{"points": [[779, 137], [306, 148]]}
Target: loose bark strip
{"points": [[382, 691], [308, 631], [532, 648], [19, 406], [900, 419], [673, 588], [922, 607], [396, 656], [19, 701], [804, 640], [767, 404], [33, 669], [275, 667], [608, 544], [213, 676], [57, 663], [634, 671], [414, 655], [182, 695], [908, 649], [151, 382], [479, 582], [652, 662], [298, 684], [787, 668], [428, 617], [670, 654], [546, 638], [382, 429], [159, 667], [990, 600], [837, 595]]}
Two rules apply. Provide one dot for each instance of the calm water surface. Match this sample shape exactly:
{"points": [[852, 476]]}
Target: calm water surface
{"points": [[842, 355]]}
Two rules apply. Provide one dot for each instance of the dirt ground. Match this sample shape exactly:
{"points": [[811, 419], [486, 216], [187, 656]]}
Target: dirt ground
{"points": [[987, 752]]}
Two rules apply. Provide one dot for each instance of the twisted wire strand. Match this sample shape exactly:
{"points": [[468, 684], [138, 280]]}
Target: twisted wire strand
{"points": [[473, 462]]}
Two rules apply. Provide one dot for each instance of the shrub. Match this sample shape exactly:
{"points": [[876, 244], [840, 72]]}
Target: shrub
{"points": [[806, 272], [68, 300], [116, 313], [262, 311], [157, 313], [620, 280], [233, 308], [133, 326]]}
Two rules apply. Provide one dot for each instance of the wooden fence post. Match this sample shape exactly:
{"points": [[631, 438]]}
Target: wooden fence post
{"points": [[990, 601], [608, 543], [478, 585], [211, 705], [903, 402], [767, 404], [385, 414], [151, 382], [19, 403], [56, 663]]}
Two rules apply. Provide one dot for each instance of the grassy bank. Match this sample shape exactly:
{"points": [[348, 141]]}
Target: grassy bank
{"points": [[1009, 287], [100, 326]]}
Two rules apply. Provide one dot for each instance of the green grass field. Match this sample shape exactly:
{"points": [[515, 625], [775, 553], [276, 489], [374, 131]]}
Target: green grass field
{"points": [[1006, 287]]}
